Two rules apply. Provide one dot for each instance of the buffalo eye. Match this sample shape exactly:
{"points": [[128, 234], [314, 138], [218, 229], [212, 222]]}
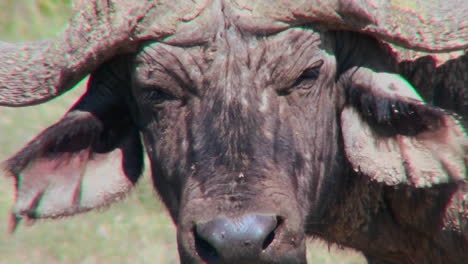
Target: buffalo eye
{"points": [[303, 81], [310, 74], [155, 96]]}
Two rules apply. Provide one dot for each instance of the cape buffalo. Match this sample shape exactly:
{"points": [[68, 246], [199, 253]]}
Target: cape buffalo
{"points": [[264, 122]]}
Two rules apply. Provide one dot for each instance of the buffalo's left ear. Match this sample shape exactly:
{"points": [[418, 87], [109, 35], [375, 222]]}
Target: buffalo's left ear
{"points": [[90, 158], [393, 137]]}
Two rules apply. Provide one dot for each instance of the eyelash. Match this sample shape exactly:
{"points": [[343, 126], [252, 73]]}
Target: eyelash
{"points": [[156, 96], [310, 74]]}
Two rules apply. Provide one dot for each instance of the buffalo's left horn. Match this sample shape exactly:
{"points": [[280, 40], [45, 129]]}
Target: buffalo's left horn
{"points": [[34, 72]]}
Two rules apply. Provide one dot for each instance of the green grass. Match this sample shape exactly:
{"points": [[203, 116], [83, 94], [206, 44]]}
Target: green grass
{"points": [[32, 19], [137, 230]]}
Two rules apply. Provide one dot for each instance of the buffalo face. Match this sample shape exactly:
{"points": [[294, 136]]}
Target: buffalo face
{"points": [[240, 132]]}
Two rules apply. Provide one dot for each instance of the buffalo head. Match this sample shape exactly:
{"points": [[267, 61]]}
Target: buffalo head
{"points": [[264, 122]]}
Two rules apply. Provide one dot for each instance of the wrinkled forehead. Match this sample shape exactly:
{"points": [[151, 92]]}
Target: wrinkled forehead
{"points": [[268, 57]]}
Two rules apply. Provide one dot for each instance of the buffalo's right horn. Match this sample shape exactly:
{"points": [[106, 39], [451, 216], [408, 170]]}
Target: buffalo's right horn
{"points": [[435, 26]]}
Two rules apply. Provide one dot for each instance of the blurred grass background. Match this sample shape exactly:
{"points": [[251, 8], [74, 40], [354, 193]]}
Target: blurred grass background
{"points": [[137, 230]]}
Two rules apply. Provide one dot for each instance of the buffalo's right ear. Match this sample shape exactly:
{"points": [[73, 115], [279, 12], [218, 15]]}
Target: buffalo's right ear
{"points": [[393, 137], [90, 158]]}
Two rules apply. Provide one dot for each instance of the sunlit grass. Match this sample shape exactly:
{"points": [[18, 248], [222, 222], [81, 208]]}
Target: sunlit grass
{"points": [[32, 19], [137, 230]]}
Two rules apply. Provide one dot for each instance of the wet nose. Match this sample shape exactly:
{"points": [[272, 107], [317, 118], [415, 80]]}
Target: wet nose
{"points": [[235, 239]]}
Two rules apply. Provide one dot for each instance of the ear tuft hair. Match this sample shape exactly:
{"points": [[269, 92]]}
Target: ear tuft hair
{"points": [[63, 138], [77, 164], [393, 115]]}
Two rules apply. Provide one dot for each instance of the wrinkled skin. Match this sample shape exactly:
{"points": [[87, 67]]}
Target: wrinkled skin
{"points": [[241, 140], [239, 124]]}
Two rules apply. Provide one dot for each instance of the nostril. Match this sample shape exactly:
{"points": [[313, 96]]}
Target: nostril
{"points": [[204, 249], [268, 240], [271, 236], [224, 238]]}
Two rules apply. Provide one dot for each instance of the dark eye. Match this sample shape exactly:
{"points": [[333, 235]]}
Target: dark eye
{"points": [[303, 81], [155, 96], [311, 73]]}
